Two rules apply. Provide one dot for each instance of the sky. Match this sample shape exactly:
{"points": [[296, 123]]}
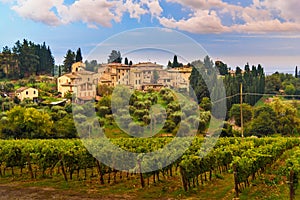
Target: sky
{"points": [[263, 32]]}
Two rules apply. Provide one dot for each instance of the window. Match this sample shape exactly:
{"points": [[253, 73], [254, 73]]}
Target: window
{"points": [[34, 92], [26, 92], [88, 79]]}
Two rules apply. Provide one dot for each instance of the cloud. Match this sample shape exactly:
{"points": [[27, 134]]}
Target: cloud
{"points": [[206, 16], [88, 11], [202, 22], [39, 11], [260, 16], [154, 7]]}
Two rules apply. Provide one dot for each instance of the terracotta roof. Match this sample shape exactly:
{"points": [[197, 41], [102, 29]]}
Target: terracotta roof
{"points": [[67, 84], [146, 64], [71, 75], [115, 65], [104, 79], [150, 84], [21, 89], [84, 72]]}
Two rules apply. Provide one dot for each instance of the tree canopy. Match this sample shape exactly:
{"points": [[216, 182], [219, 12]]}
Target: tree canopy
{"points": [[115, 57], [26, 59], [78, 55], [69, 61]]}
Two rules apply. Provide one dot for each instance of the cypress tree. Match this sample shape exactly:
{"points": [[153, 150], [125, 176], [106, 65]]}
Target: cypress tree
{"points": [[68, 61], [175, 62], [78, 55], [169, 64]]}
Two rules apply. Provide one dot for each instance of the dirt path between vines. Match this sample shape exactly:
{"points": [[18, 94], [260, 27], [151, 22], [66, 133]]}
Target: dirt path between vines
{"points": [[17, 192]]}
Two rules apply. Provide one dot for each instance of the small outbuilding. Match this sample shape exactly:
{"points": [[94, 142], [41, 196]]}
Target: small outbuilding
{"points": [[27, 93]]}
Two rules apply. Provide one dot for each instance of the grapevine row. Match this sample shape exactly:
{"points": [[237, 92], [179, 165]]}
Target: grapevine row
{"points": [[255, 160]]}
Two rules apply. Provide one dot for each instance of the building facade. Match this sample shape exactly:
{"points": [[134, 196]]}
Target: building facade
{"points": [[27, 93], [79, 82], [144, 75]]}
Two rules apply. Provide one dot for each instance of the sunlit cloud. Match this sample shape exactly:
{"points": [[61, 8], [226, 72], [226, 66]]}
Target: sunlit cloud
{"points": [[206, 16]]}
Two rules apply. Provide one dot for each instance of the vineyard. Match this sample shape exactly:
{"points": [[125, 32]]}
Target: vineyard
{"points": [[242, 159]]}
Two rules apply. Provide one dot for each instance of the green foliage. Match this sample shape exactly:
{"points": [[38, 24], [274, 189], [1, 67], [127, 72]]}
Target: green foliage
{"points": [[103, 110], [169, 126], [175, 63], [126, 61], [155, 77], [278, 117], [135, 129], [29, 123], [33, 59], [263, 124], [92, 65], [257, 158], [115, 57], [287, 121], [206, 104], [222, 67], [65, 127], [78, 57], [80, 118], [235, 113], [69, 59], [290, 89]]}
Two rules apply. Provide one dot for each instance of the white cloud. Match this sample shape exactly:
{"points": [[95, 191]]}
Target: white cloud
{"points": [[39, 11], [262, 16], [289, 10], [88, 11], [206, 16], [270, 26], [202, 22], [154, 7]]}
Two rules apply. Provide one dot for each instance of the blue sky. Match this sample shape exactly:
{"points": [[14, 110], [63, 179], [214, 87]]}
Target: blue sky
{"points": [[237, 32]]}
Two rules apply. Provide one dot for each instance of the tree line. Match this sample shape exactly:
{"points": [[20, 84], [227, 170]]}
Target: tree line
{"points": [[252, 80], [25, 59]]}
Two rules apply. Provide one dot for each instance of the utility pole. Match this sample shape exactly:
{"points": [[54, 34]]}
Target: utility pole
{"points": [[241, 109]]}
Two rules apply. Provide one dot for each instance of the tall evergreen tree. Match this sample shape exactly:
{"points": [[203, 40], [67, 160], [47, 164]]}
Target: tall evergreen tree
{"points": [[126, 61], [296, 72], [32, 58], [28, 58], [59, 70], [197, 82], [68, 61], [169, 64], [78, 55], [175, 62], [223, 69]]}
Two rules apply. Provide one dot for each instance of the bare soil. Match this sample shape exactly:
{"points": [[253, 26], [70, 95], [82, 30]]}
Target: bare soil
{"points": [[14, 191]]}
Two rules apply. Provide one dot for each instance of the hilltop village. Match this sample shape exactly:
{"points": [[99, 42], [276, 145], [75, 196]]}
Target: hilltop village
{"points": [[141, 76]]}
